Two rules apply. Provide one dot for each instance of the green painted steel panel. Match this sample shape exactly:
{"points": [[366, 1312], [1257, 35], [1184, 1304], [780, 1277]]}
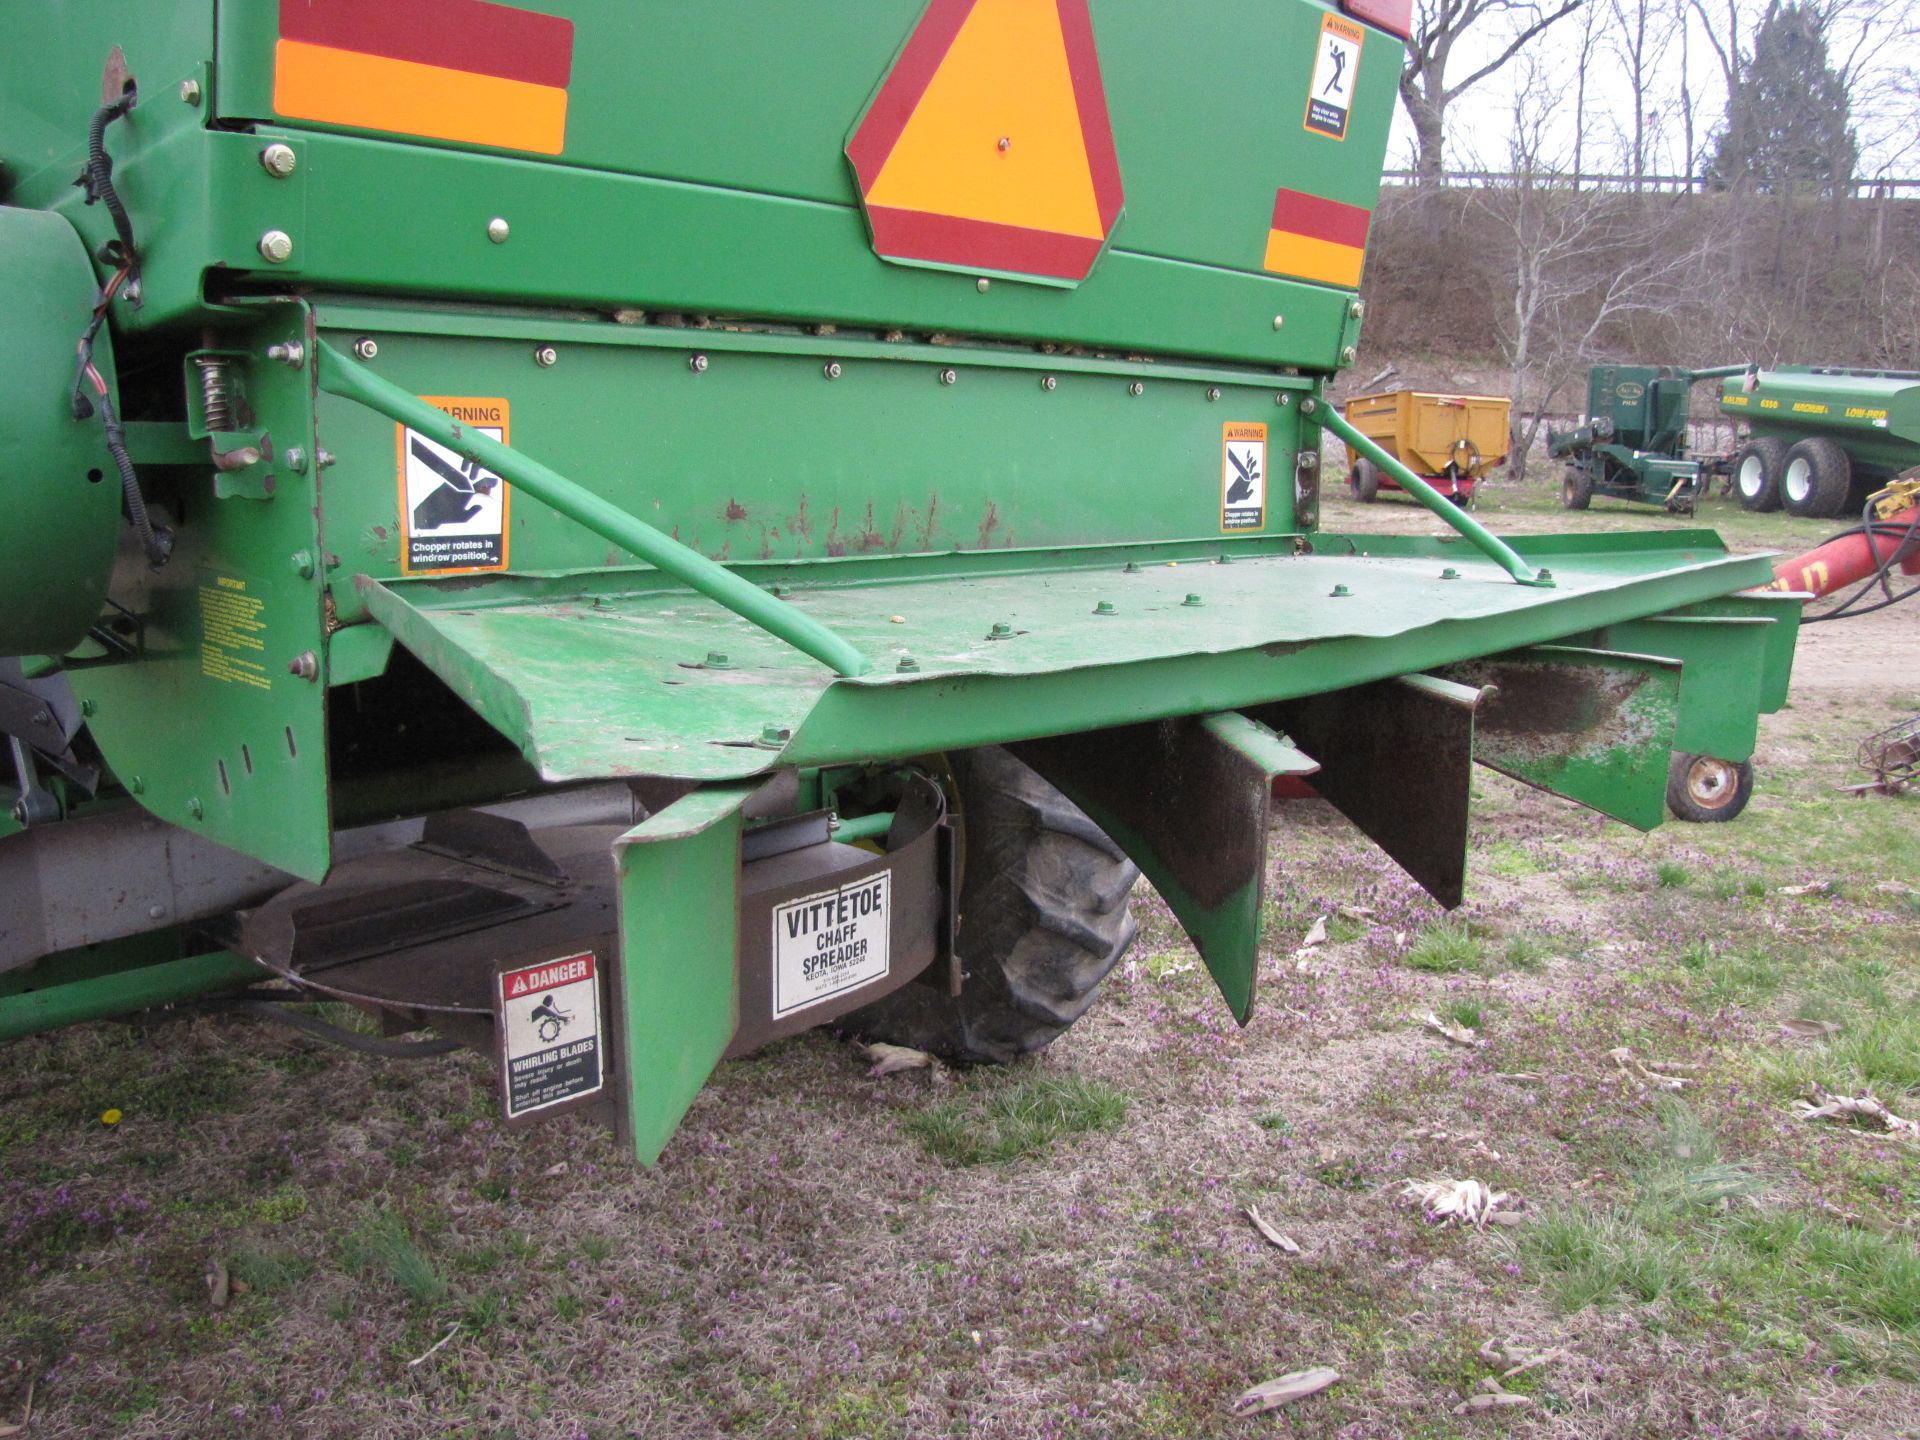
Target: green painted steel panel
{"points": [[33, 1001], [1594, 726], [602, 673], [1723, 665], [677, 996], [62, 488], [208, 726]]}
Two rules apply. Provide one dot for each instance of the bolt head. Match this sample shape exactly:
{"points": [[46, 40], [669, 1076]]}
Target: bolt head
{"points": [[190, 92], [697, 364], [545, 356], [908, 665], [1006, 143], [1213, 393], [1358, 310], [1048, 382], [1348, 355], [1278, 321], [498, 230], [1193, 600], [276, 247], [1340, 591], [195, 808], [1136, 388], [279, 160], [983, 284], [1104, 607], [831, 370], [947, 377], [365, 348], [717, 660]]}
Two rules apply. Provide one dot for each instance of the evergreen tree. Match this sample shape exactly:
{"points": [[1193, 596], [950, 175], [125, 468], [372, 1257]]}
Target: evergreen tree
{"points": [[1787, 118]]}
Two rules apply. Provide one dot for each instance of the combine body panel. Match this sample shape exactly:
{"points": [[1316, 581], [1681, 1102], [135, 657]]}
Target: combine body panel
{"points": [[1451, 441], [602, 481]]}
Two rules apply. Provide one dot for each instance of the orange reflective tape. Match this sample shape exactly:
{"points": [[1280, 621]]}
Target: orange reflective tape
{"points": [[373, 92], [1310, 259]]}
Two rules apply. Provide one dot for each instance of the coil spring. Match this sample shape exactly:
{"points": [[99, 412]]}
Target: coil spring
{"points": [[216, 398]]}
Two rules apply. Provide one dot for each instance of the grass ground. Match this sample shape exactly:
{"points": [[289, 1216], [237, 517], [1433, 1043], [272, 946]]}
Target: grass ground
{"points": [[1059, 1248]]}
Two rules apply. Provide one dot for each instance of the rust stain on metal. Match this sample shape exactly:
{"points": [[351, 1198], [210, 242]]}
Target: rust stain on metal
{"points": [[870, 537], [989, 523], [926, 530], [735, 510], [801, 525]]}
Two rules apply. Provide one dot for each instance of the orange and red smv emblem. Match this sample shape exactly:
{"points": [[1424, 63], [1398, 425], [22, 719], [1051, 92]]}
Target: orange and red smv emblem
{"points": [[988, 147]]}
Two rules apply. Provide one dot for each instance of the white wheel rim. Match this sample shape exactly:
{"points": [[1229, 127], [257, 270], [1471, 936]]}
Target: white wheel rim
{"points": [[1799, 480], [1710, 781], [1750, 475]]}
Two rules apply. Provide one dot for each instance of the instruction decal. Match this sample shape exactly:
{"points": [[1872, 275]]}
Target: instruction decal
{"points": [[453, 511], [550, 1031], [830, 942], [1336, 62], [1243, 476]]}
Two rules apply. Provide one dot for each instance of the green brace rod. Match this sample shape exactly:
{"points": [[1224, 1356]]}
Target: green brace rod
{"points": [[1484, 540], [352, 381]]}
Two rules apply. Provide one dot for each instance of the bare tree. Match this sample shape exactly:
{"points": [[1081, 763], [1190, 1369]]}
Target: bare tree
{"points": [[1423, 82], [1640, 39], [1580, 265]]}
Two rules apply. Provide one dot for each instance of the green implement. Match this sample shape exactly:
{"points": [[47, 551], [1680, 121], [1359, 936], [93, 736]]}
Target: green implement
{"points": [[617, 564]]}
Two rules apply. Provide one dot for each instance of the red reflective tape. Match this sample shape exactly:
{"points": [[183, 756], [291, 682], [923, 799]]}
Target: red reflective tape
{"points": [[1393, 16], [471, 35], [981, 244], [1090, 98], [1314, 215], [906, 82]]}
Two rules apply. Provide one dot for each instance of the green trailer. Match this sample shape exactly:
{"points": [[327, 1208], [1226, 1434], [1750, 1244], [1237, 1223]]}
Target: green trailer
{"points": [[1821, 438], [615, 533]]}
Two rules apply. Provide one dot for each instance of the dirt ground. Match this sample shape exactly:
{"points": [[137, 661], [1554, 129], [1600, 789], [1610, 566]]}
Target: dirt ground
{"points": [[814, 1255]]}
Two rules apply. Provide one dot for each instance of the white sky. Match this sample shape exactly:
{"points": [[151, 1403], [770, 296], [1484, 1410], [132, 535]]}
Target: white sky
{"points": [[1886, 121]]}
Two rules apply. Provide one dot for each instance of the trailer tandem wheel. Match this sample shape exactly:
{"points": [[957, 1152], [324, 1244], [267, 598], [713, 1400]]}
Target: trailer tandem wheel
{"points": [[1043, 919], [1756, 472], [1816, 479]]}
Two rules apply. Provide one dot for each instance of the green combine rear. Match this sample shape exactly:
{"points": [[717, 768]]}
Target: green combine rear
{"points": [[616, 533]]}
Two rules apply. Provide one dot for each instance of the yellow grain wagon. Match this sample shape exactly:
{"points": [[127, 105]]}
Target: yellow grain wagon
{"points": [[1450, 440]]}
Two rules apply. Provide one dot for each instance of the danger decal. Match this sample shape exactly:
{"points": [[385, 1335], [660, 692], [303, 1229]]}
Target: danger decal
{"points": [[831, 942], [464, 70], [550, 1033], [1336, 63], [453, 511]]}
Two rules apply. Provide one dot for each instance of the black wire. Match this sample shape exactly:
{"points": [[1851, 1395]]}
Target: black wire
{"points": [[348, 1039], [156, 540], [97, 181], [1905, 537]]}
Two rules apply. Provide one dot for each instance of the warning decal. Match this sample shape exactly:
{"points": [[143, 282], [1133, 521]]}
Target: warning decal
{"points": [[831, 942], [453, 511], [550, 1028], [1335, 63], [1243, 476]]}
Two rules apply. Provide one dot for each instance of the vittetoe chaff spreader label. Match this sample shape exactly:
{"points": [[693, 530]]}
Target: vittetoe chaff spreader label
{"points": [[830, 942], [550, 1025]]}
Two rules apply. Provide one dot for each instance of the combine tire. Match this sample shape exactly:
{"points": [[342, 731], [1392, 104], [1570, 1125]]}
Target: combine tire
{"points": [[1576, 488], [1756, 472], [1817, 479], [1364, 481], [1043, 919], [1705, 790]]}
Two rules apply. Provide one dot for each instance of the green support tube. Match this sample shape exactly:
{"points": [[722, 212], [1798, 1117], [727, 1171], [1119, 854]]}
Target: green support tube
{"points": [[1484, 540], [863, 827], [352, 381], [122, 991]]}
